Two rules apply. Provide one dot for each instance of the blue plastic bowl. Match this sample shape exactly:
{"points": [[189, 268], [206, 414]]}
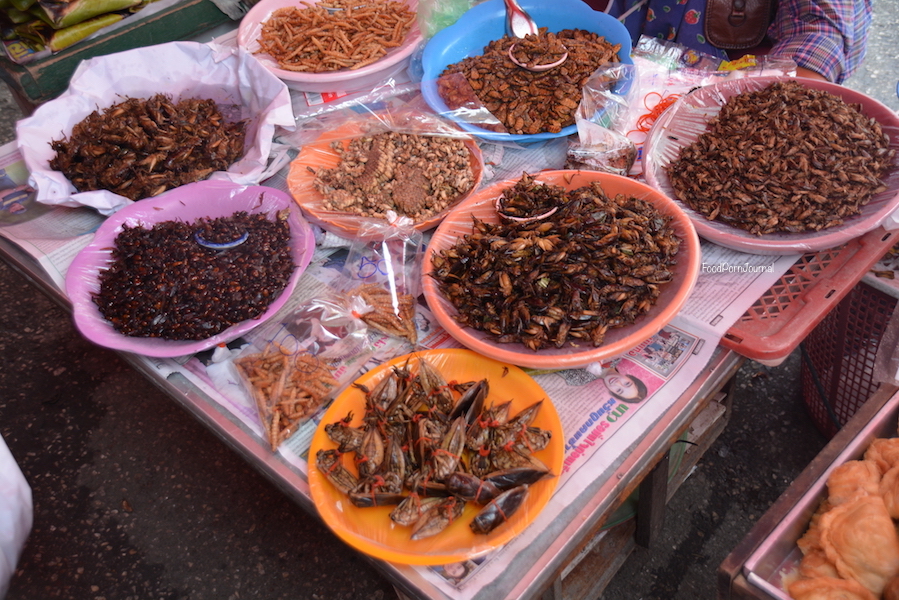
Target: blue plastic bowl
{"points": [[487, 22]]}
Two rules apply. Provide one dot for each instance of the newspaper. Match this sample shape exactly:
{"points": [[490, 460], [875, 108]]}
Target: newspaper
{"points": [[606, 406], [53, 236]]}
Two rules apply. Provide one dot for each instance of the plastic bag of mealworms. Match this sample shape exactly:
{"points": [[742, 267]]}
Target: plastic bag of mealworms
{"points": [[305, 360], [381, 279]]}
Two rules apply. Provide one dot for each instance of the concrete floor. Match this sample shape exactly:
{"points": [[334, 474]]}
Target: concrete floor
{"points": [[135, 500]]}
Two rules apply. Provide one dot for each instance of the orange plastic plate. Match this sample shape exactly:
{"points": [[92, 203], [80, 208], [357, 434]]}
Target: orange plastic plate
{"points": [[370, 530]]}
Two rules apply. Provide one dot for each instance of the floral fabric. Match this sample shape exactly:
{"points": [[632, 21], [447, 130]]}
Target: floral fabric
{"points": [[827, 36]]}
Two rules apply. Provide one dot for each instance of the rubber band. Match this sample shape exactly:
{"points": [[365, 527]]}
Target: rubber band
{"points": [[646, 121]]}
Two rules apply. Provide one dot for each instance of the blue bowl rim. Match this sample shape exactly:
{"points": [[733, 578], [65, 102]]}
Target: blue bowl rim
{"points": [[476, 13]]}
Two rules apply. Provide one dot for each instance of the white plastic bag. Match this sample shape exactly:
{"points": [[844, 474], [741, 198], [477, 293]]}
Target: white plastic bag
{"points": [[229, 76], [16, 515]]}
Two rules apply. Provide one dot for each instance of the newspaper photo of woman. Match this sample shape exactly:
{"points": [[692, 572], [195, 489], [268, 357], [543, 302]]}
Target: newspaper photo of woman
{"points": [[624, 388]]}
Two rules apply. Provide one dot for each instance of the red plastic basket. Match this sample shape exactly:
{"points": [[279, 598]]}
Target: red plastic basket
{"points": [[838, 358], [778, 321]]}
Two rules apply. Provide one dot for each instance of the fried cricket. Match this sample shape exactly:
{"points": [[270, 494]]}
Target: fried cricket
{"points": [[596, 263]]}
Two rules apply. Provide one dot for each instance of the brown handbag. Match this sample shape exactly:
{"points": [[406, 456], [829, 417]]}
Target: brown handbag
{"points": [[737, 24]]}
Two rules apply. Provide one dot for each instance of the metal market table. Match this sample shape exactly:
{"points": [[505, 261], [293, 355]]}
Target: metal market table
{"points": [[576, 548]]}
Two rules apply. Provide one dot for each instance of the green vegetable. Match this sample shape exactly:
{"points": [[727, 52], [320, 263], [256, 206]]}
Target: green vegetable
{"points": [[34, 34], [65, 13], [18, 16], [63, 38], [22, 4]]}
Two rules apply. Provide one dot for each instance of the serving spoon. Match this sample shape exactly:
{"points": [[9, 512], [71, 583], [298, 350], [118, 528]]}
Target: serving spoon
{"points": [[522, 24]]}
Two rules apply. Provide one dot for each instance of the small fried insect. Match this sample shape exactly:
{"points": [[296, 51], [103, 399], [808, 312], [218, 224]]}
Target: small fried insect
{"points": [[596, 263], [162, 283], [527, 102], [417, 176], [785, 158], [140, 148]]}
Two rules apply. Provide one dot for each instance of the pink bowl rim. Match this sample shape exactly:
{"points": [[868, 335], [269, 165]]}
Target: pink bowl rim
{"points": [[251, 25]]}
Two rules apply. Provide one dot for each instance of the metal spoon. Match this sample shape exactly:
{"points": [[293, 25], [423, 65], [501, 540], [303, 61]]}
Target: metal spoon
{"points": [[521, 24]]}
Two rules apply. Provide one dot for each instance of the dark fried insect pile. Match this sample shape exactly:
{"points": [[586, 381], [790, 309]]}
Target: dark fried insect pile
{"points": [[528, 102], [431, 448], [596, 263], [414, 175], [528, 199], [784, 158], [182, 281], [141, 148]]}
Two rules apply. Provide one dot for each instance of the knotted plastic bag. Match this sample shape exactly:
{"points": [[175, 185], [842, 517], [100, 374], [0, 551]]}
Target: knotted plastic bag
{"points": [[382, 278]]}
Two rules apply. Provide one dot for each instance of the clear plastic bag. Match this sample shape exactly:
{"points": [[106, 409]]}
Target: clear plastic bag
{"points": [[403, 158], [463, 104], [601, 149], [382, 279], [434, 15], [390, 106], [666, 71], [318, 350], [607, 98]]}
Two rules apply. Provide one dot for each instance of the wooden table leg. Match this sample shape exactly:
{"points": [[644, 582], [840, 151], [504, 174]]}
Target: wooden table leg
{"points": [[651, 504]]}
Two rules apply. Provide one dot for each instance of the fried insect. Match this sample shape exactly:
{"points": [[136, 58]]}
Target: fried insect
{"points": [[499, 510], [785, 158], [141, 148], [526, 102], [334, 35], [164, 283], [426, 465], [596, 263], [417, 176], [329, 464]]}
